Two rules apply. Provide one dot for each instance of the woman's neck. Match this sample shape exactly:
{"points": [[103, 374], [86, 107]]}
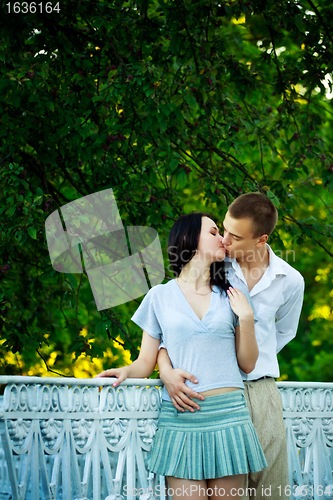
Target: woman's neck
{"points": [[194, 274]]}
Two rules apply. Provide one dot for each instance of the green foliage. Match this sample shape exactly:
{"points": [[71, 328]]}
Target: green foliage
{"points": [[176, 105]]}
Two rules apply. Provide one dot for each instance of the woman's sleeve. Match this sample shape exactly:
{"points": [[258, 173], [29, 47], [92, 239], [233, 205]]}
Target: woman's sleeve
{"points": [[146, 316]]}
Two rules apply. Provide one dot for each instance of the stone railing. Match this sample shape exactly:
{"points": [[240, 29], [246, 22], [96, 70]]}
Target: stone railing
{"points": [[71, 439], [308, 416]]}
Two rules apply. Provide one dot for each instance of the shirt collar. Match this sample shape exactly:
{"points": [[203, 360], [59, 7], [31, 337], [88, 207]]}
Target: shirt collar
{"points": [[275, 264]]}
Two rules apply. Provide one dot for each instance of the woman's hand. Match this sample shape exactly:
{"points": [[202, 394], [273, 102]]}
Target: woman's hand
{"points": [[120, 373], [142, 367], [239, 304], [246, 344]]}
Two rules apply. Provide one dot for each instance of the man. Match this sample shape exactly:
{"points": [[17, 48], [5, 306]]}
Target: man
{"points": [[276, 290]]}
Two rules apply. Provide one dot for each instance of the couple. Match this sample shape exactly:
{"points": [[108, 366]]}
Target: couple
{"points": [[205, 327]]}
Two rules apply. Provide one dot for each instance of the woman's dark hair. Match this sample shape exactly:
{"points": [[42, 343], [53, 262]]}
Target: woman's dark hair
{"points": [[183, 243]]}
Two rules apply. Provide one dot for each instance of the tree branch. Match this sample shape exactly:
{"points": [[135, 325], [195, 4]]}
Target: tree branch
{"points": [[50, 369]]}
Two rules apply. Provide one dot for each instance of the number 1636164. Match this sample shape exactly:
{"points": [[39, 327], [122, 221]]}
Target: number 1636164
{"points": [[305, 490], [32, 7]]}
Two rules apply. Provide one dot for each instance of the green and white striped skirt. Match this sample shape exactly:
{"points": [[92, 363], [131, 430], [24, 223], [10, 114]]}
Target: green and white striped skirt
{"points": [[216, 441]]}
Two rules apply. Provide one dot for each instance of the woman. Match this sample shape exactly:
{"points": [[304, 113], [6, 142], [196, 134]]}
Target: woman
{"points": [[207, 328]]}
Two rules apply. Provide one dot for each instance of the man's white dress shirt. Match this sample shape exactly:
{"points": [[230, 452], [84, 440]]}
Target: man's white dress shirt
{"points": [[277, 300]]}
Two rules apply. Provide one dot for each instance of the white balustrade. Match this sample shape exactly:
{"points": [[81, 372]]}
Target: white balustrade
{"points": [[72, 439], [308, 416], [62, 438]]}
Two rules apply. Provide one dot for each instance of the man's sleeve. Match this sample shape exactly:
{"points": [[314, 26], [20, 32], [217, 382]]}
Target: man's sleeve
{"points": [[287, 317]]}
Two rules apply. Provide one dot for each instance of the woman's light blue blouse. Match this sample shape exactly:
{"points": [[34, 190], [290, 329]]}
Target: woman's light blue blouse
{"points": [[205, 348]]}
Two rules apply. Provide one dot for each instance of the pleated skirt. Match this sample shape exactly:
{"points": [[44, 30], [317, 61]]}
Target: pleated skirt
{"points": [[216, 441]]}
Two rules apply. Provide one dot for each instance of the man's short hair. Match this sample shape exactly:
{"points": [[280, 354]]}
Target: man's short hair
{"points": [[259, 209]]}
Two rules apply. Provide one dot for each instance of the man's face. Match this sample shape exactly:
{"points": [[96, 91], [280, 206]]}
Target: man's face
{"points": [[238, 238]]}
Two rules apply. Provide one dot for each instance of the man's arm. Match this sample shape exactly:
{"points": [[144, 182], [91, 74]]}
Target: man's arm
{"points": [[174, 381], [287, 317]]}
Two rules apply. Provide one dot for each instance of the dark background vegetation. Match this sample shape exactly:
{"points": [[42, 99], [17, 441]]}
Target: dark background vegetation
{"points": [[177, 105]]}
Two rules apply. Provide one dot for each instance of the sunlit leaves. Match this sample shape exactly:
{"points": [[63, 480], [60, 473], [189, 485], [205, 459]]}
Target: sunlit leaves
{"points": [[175, 105]]}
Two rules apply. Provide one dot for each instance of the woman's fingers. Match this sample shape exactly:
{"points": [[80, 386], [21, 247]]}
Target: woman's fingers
{"points": [[235, 295], [119, 374], [106, 373]]}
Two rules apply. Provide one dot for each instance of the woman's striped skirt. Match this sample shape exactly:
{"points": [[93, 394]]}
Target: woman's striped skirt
{"points": [[216, 441]]}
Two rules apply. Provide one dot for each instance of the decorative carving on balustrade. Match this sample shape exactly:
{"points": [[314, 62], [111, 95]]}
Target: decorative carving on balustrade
{"points": [[78, 442], [308, 416]]}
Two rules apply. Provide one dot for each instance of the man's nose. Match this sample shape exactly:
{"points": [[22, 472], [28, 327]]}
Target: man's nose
{"points": [[226, 239]]}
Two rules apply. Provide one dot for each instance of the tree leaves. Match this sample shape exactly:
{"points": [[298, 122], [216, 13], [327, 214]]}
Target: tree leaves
{"points": [[32, 233], [158, 101]]}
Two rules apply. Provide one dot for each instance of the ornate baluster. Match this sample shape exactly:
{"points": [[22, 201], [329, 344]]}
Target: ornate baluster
{"points": [[67, 442]]}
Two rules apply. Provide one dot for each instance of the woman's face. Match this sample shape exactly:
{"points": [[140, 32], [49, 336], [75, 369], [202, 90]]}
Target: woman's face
{"points": [[210, 246]]}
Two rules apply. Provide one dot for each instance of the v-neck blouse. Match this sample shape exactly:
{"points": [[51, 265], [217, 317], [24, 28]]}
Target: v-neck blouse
{"points": [[206, 347]]}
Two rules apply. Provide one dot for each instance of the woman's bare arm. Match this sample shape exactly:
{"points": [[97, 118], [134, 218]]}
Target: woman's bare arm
{"points": [[141, 367], [247, 351]]}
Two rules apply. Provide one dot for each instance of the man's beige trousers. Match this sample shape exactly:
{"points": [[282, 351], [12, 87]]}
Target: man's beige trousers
{"points": [[265, 406]]}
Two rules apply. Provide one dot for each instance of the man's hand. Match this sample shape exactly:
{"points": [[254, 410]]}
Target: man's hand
{"points": [[180, 394], [174, 381]]}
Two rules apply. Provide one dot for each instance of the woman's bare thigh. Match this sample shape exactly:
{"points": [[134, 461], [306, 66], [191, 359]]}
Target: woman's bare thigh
{"points": [[187, 488], [226, 487], [206, 489]]}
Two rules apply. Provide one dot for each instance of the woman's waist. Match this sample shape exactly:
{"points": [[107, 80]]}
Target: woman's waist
{"points": [[218, 382], [218, 390], [215, 411], [211, 373], [210, 388]]}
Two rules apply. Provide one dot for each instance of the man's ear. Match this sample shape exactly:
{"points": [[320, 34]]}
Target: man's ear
{"points": [[262, 240]]}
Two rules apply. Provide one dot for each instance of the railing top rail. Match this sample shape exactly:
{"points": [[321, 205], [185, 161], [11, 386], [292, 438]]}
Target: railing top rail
{"points": [[18, 379], [306, 385]]}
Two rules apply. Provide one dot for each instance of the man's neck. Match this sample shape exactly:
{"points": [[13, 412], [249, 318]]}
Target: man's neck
{"points": [[258, 259], [255, 267]]}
